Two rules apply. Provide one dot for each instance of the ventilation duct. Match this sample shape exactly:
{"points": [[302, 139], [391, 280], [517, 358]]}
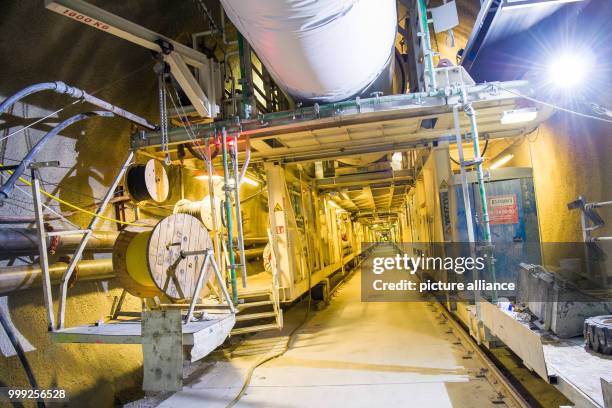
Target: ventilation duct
{"points": [[321, 51]]}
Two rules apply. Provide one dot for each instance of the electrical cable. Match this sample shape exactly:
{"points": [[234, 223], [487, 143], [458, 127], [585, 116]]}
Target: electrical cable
{"points": [[77, 208], [20, 354], [550, 105], [265, 359], [61, 216], [40, 120], [484, 150], [75, 102]]}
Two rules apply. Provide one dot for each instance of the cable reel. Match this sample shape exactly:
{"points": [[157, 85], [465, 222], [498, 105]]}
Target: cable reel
{"points": [[149, 262], [148, 181]]}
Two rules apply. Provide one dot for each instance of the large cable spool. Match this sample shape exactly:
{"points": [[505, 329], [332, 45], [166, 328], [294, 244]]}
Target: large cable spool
{"points": [[148, 181], [148, 260], [201, 210]]}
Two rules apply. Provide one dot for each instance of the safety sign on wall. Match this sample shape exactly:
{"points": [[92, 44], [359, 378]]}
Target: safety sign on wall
{"points": [[503, 209]]}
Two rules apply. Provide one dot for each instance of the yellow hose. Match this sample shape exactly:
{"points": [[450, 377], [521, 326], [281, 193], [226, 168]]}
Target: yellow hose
{"points": [[75, 207]]}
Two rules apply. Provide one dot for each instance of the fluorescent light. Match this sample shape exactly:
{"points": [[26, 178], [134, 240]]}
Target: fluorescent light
{"points": [[519, 116], [501, 161], [205, 177], [250, 181], [217, 177]]}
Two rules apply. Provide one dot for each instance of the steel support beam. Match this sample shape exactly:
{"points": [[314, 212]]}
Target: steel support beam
{"points": [[178, 58]]}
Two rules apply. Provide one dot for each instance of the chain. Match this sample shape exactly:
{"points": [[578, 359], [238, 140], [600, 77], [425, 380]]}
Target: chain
{"points": [[163, 117]]}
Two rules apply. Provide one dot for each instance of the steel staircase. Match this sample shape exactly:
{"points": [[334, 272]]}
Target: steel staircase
{"points": [[258, 310]]}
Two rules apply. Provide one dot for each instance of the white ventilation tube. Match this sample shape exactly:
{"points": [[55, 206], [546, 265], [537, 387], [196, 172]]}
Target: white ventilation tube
{"points": [[321, 51]]}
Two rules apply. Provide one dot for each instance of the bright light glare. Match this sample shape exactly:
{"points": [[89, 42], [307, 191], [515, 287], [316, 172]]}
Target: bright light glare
{"points": [[569, 70], [216, 177], [250, 181], [501, 161], [519, 116], [396, 161], [333, 204], [205, 177]]}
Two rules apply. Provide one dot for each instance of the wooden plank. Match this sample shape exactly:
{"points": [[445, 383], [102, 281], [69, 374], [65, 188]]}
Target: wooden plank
{"points": [[162, 348], [523, 341], [112, 333], [205, 341], [122, 332], [606, 388]]}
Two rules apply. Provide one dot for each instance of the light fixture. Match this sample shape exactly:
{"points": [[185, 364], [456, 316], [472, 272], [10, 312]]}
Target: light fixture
{"points": [[333, 204], [396, 161], [203, 176], [519, 116], [569, 69], [501, 161], [249, 181]]}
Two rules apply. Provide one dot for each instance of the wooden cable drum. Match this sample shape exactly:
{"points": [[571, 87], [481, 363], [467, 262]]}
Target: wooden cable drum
{"points": [[148, 181], [201, 210], [148, 261]]}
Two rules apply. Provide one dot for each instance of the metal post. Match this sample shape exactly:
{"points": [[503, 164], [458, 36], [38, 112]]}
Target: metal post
{"points": [[467, 204], [228, 212], [464, 184], [213, 204], [426, 44], [469, 110], [198, 288], [42, 247], [240, 238], [223, 287], [79, 251]]}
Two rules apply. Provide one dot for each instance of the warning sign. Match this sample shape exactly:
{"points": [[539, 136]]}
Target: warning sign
{"points": [[280, 229], [278, 207], [503, 209]]}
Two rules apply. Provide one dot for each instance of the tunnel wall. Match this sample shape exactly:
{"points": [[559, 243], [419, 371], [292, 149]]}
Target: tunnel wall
{"points": [[39, 45]]}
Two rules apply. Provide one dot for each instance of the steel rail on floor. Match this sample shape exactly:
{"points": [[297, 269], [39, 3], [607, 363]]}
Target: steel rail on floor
{"points": [[508, 388]]}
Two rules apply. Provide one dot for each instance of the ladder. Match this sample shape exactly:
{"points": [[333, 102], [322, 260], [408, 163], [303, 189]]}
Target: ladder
{"points": [[258, 310]]}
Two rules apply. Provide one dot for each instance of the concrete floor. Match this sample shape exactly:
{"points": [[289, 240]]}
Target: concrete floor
{"points": [[350, 354]]}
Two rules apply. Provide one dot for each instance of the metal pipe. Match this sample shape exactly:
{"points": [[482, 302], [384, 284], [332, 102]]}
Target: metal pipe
{"points": [[424, 26], [7, 187], [247, 160], [24, 241], [469, 110], [251, 253], [30, 276], [467, 205], [228, 217], [213, 208], [76, 93], [238, 179], [464, 184]]}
